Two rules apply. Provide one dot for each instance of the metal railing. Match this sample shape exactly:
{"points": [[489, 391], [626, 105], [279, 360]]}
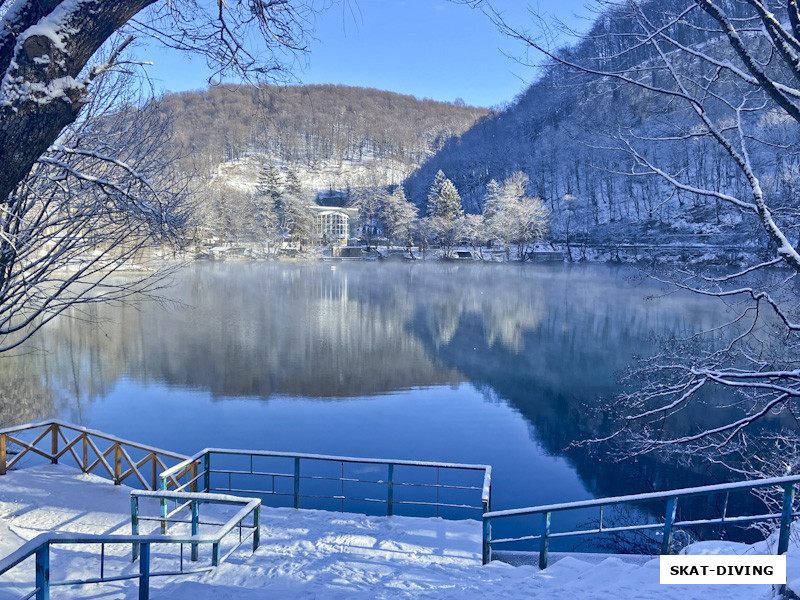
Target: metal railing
{"points": [[92, 452], [292, 480], [666, 528], [193, 501], [39, 547]]}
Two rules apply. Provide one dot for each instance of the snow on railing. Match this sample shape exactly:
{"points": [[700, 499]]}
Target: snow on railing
{"points": [[288, 475], [39, 547], [92, 452], [667, 527]]}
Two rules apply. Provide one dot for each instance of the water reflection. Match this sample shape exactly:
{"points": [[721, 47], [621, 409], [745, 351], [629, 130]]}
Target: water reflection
{"points": [[261, 344]]}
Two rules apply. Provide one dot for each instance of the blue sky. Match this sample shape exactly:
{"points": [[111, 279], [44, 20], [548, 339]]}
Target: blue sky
{"points": [[427, 48]]}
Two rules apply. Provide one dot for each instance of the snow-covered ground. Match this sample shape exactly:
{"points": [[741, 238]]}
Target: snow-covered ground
{"points": [[322, 555]]}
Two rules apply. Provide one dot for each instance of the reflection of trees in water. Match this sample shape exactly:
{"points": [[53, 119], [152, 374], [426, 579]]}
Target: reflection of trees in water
{"points": [[24, 395], [253, 330], [546, 340], [307, 329], [593, 323]]}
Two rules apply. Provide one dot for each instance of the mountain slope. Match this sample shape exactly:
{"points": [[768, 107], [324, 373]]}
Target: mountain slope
{"points": [[568, 131], [309, 125]]}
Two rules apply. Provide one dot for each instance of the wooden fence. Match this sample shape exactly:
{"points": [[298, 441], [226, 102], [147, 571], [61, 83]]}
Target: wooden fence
{"points": [[92, 452]]}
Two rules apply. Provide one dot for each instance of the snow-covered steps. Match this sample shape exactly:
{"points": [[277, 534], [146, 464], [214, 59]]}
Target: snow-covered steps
{"points": [[322, 555]]}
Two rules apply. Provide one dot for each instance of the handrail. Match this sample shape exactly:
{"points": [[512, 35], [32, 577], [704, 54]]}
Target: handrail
{"points": [[40, 545], [53, 443], [681, 492], [94, 433], [203, 470], [788, 484], [194, 499]]}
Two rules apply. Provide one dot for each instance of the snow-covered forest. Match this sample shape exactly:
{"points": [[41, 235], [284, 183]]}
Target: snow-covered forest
{"points": [[566, 133]]}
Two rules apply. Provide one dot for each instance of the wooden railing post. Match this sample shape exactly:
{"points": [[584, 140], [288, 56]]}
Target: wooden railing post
{"points": [[85, 453], [43, 572], [545, 541], [193, 475], [297, 482], [54, 443], [153, 472], [195, 524], [2, 453], [207, 472], [786, 518], [117, 464], [669, 519], [134, 526], [390, 492], [144, 572]]}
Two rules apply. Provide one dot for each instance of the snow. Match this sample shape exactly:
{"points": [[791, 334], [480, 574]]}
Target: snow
{"points": [[318, 554], [53, 27], [324, 175]]}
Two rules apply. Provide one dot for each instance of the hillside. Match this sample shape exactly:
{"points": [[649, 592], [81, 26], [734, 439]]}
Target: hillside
{"points": [[309, 126], [568, 132], [322, 137]]}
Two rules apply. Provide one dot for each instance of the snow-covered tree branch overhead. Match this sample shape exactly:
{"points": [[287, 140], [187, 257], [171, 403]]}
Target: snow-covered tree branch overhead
{"points": [[87, 181], [718, 80], [104, 196], [46, 45]]}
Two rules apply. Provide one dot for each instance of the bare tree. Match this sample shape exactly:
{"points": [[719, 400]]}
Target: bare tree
{"points": [[84, 187], [103, 197], [722, 73], [46, 47], [514, 217]]}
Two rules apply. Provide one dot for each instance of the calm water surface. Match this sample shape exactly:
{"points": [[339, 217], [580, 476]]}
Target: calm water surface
{"points": [[468, 363]]}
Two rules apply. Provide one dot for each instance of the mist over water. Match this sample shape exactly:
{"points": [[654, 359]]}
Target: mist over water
{"points": [[470, 363]]}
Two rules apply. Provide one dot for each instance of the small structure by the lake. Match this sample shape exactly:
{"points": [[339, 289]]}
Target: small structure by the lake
{"points": [[334, 221]]}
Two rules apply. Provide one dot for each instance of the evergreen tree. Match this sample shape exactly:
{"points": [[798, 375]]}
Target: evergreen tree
{"points": [[444, 201], [294, 216], [269, 185], [491, 201], [399, 217], [435, 192], [444, 212]]}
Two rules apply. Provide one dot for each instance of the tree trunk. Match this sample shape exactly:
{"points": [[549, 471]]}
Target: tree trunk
{"points": [[40, 92]]}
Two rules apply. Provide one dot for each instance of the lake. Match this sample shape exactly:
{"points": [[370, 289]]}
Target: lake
{"points": [[450, 362]]}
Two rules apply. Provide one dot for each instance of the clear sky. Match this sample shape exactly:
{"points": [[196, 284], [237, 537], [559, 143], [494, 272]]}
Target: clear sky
{"points": [[427, 48]]}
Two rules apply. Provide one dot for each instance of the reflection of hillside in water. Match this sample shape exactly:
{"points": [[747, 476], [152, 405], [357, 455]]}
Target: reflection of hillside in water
{"points": [[250, 330], [314, 330], [24, 394], [560, 372], [546, 340]]}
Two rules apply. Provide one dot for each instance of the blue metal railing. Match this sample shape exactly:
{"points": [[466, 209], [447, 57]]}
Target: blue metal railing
{"points": [[193, 501], [39, 547], [298, 480], [666, 528], [52, 440]]}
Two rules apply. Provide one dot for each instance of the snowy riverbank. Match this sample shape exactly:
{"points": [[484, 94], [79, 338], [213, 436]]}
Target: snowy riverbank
{"points": [[317, 554]]}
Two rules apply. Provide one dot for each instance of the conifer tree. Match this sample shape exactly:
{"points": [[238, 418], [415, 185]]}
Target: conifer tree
{"points": [[399, 217], [435, 192], [491, 201], [444, 212], [444, 201]]}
